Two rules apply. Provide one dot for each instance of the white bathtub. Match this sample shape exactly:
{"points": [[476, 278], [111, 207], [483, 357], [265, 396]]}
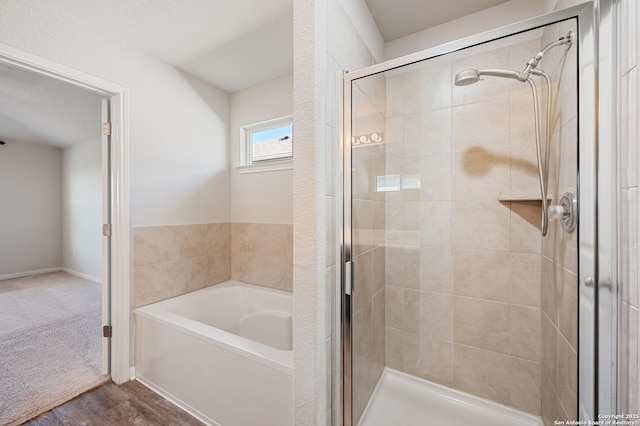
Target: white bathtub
{"points": [[223, 353]]}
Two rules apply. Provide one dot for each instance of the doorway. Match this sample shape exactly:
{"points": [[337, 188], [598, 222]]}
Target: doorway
{"points": [[83, 179]]}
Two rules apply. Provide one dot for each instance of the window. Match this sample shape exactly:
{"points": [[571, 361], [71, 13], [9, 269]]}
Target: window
{"points": [[268, 142]]}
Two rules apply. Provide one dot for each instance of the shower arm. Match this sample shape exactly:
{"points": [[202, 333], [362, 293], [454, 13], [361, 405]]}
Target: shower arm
{"points": [[531, 65]]}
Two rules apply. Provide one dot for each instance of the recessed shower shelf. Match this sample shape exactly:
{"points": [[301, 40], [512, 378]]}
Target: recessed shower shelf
{"points": [[523, 198]]}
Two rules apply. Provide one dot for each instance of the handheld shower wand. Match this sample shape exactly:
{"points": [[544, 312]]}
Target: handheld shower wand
{"points": [[471, 76]]}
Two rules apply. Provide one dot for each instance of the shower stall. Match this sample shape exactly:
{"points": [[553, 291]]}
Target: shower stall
{"points": [[469, 230]]}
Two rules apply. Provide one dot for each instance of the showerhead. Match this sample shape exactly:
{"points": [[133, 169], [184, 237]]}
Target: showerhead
{"points": [[467, 77]]}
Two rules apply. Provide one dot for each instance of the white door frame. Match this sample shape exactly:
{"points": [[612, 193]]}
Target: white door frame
{"points": [[105, 171], [120, 265]]}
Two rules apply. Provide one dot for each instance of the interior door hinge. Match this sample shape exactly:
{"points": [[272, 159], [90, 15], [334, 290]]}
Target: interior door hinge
{"points": [[106, 229], [107, 331], [106, 128]]}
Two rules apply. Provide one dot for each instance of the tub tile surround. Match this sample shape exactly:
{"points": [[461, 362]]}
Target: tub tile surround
{"points": [[262, 254], [176, 259]]}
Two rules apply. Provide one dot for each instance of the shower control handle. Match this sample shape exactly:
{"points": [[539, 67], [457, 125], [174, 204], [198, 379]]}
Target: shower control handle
{"points": [[557, 212], [566, 211]]}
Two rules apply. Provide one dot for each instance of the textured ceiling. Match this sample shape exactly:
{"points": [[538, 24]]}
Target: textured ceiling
{"points": [[399, 18]]}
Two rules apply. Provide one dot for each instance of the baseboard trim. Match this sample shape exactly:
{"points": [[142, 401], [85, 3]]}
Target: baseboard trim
{"points": [[81, 275], [29, 273]]}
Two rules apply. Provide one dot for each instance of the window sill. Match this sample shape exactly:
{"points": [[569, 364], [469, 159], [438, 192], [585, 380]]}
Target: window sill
{"points": [[267, 167]]}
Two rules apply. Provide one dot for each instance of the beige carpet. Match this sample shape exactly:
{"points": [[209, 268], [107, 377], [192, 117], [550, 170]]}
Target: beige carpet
{"points": [[50, 344]]}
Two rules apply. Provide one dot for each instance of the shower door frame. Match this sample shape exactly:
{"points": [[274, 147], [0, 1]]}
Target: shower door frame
{"points": [[595, 249]]}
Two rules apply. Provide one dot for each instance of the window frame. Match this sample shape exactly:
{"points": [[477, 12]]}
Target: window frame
{"points": [[247, 164]]}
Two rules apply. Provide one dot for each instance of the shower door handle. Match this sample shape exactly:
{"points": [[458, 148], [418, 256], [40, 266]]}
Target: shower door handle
{"points": [[349, 278]]}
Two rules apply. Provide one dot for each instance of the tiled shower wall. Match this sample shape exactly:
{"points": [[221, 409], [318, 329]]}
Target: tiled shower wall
{"points": [[463, 269], [173, 260], [559, 248], [629, 18]]}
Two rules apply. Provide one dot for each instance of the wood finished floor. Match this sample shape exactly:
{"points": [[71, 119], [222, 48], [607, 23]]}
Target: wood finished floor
{"points": [[109, 404]]}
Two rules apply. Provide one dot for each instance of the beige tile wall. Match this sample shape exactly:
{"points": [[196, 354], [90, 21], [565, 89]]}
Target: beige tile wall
{"points": [[173, 260], [559, 249], [262, 254], [463, 270], [629, 18]]}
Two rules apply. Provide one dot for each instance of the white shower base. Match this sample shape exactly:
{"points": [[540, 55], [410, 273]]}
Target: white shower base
{"points": [[400, 399]]}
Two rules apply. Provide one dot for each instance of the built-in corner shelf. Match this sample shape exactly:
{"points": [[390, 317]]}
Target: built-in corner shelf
{"points": [[522, 198]]}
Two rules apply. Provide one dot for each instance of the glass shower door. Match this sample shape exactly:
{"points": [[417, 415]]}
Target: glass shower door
{"points": [[454, 288]]}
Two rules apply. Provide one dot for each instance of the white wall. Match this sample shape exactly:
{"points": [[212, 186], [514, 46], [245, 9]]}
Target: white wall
{"points": [[264, 197], [82, 208], [365, 27], [30, 208], [178, 134], [484, 20]]}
